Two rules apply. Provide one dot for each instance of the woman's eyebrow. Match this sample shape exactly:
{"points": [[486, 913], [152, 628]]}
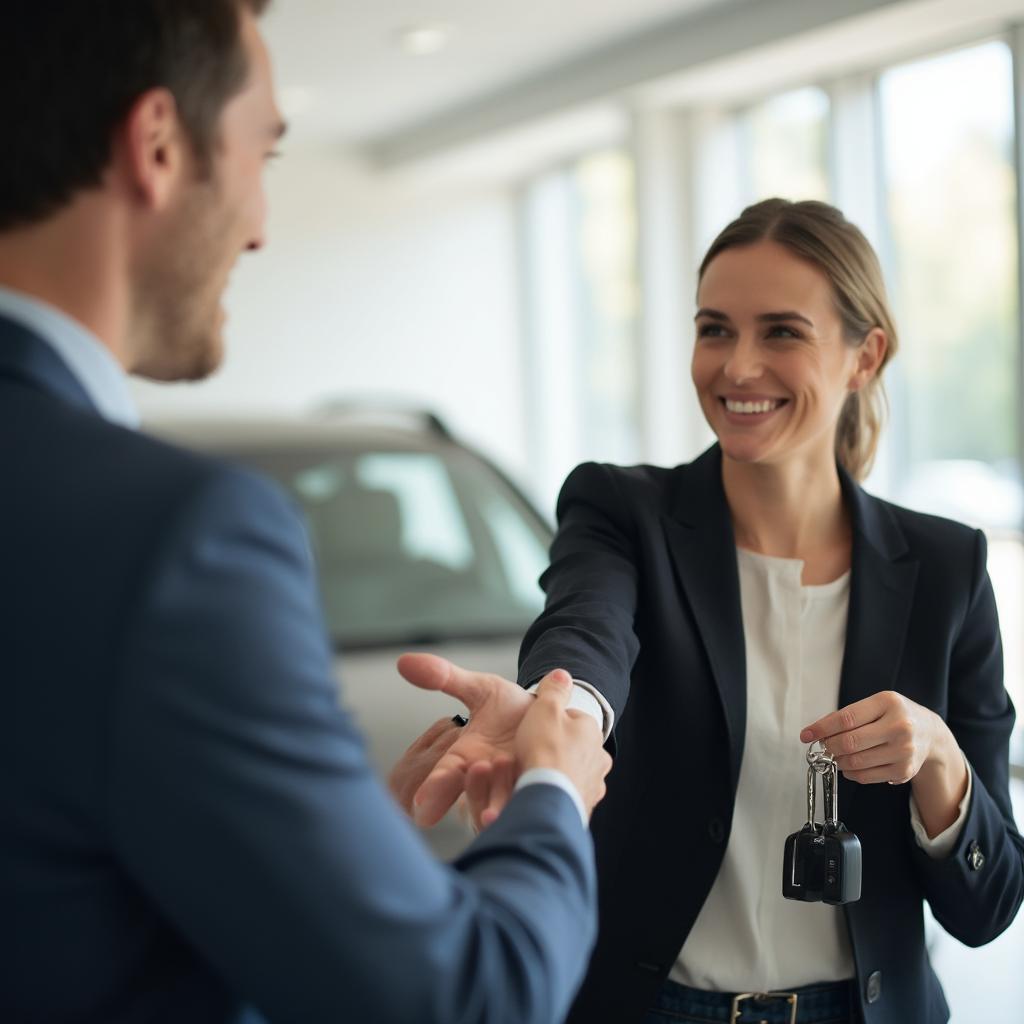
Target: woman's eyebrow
{"points": [[774, 318], [770, 318]]}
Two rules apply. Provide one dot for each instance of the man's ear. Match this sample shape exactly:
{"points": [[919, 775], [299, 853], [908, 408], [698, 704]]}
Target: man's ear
{"points": [[870, 354], [154, 148]]}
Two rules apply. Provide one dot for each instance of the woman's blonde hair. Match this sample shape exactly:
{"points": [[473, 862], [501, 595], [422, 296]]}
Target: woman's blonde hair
{"points": [[820, 234]]}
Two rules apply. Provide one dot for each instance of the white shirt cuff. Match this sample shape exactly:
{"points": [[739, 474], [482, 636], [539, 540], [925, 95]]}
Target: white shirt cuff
{"points": [[942, 845], [587, 698], [553, 777]]}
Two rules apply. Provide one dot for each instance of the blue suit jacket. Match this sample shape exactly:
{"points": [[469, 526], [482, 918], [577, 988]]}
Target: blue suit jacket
{"points": [[644, 603], [188, 821]]}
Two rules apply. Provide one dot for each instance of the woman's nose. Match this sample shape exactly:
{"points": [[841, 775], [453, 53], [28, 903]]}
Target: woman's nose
{"points": [[744, 363]]}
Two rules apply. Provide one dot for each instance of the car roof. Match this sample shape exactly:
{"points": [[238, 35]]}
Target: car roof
{"points": [[354, 429], [296, 433]]}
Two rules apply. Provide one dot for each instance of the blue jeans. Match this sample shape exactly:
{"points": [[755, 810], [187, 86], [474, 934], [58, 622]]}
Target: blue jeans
{"points": [[824, 1003]]}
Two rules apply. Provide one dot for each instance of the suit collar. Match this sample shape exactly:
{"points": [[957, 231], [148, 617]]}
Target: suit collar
{"points": [[79, 349], [27, 357], [873, 520]]}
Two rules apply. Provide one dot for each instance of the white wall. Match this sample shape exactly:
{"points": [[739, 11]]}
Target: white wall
{"points": [[373, 287]]}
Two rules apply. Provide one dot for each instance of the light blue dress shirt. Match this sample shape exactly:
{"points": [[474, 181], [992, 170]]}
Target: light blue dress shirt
{"points": [[89, 361]]}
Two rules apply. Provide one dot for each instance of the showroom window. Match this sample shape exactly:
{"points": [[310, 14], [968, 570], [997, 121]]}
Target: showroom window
{"points": [[950, 219], [785, 146], [579, 235]]}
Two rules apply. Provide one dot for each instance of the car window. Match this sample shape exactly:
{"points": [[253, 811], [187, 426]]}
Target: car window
{"points": [[414, 547], [516, 544], [432, 523]]}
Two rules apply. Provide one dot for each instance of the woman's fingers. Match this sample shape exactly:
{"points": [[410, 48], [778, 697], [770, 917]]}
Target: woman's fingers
{"points": [[879, 739], [892, 773]]}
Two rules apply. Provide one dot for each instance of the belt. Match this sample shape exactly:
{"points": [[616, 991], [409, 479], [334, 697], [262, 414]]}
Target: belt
{"points": [[824, 1001], [791, 999]]}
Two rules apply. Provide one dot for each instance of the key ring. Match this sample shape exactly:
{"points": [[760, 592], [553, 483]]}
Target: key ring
{"points": [[820, 760]]}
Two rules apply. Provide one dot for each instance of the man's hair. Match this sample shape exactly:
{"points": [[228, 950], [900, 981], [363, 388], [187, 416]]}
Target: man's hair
{"points": [[70, 71]]}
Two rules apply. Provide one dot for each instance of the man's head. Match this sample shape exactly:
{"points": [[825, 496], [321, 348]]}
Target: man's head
{"points": [[155, 117]]}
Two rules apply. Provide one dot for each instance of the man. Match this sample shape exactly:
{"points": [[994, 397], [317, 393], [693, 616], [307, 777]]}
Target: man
{"points": [[188, 823]]}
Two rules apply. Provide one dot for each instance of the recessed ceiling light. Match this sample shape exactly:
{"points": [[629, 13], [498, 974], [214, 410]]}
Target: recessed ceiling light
{"points": [[424, 40]]}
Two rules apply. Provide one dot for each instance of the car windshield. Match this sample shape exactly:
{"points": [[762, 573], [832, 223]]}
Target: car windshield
{"points": [[414, 547]]}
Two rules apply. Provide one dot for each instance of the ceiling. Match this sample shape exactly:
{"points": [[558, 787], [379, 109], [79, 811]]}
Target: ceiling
{"points": [[343, 78]]}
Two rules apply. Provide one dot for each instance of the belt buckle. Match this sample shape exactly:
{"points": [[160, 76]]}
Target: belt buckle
{"points": [[790, 997]]}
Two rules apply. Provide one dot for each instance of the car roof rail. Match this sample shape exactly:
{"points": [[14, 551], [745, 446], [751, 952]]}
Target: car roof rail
{"points": [[385, 409]]}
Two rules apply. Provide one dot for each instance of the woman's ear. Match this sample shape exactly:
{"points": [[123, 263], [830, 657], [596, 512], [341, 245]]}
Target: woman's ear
{"points": [[870, 356]]}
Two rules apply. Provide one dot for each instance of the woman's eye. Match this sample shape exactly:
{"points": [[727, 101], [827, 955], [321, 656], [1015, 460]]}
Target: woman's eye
{"points": [[782, 331], [710, 331]]}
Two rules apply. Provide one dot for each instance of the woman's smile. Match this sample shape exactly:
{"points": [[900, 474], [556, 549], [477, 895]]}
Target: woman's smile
{"points": [[750, 410]]}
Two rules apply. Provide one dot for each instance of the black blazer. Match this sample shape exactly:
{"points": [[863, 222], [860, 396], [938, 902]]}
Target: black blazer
{"points": [[643, 602]]}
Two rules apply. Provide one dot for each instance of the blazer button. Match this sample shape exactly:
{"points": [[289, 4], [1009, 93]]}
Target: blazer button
{"points": [[716, 829], [873, 989], [975, 858]]}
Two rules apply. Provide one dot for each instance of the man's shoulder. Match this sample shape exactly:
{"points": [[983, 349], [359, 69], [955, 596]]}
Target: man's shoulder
{"points": [[196, 493], [116, 475]]}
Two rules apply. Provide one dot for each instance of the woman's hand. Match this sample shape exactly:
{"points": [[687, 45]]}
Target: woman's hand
{"points": [[889, 738], [884, 738], [432, 773]]}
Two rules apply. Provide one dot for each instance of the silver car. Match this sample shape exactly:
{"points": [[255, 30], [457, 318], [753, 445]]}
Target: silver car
{"points": [[420, 544]]}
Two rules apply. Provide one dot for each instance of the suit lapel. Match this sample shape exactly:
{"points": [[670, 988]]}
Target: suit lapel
{"points": [[703, 552], [881, 596]]}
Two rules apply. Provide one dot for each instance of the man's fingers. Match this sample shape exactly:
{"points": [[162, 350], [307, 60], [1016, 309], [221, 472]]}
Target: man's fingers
{"points": [[431, 672], [555, 688], [436, 796], [478, 790], [440, 728], [419, 760], [503, 780]]}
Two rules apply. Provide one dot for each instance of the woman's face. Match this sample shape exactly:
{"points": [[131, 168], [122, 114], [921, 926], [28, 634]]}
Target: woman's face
{"points": [[770, 364]]}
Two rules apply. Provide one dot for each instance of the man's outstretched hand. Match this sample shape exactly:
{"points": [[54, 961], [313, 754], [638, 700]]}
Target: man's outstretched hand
{"points": [[435, 770]]}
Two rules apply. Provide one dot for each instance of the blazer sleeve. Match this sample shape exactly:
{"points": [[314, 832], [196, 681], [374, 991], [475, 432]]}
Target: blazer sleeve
{"points": [[975, 891], [586, 627], [242, 803]]}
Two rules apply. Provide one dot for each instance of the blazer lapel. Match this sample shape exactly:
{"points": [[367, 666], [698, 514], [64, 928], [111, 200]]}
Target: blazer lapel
{"points": [[881, 595], [703, 552], [26, 357]]}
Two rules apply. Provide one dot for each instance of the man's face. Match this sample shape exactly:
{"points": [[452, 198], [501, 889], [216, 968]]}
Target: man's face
{"points": [[182, 277]]}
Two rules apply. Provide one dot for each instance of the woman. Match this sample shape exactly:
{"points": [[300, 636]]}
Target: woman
{"points": [[734, 609]]}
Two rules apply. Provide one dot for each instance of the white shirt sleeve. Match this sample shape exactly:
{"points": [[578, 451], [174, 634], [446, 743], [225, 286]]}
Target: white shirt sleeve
{"points": [[586, 698], [942, 845], [553, 777]]}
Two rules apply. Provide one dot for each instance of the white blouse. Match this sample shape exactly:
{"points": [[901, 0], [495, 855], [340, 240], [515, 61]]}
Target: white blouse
{"points": [[748, 937]]}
